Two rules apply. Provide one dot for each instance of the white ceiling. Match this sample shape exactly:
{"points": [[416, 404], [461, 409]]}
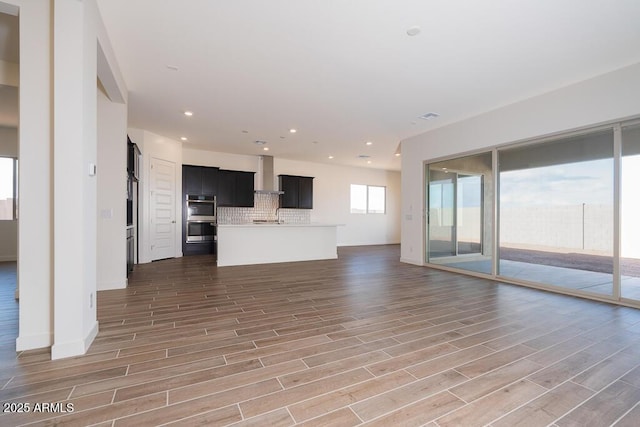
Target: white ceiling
{"points": [[343, 72]]}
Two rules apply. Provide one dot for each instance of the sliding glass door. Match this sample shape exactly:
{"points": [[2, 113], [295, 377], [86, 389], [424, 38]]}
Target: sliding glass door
{"points": [[556, 213], [567, 213], [459, 229]]}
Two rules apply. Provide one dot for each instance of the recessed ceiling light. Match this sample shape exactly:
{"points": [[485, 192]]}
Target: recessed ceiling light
{"points": [[330, 157], [413, 31], [368, 162], [397, 154], [183, 138], [292, 130], [429, 116], [188, 113], [369, 143], [266, 148]]}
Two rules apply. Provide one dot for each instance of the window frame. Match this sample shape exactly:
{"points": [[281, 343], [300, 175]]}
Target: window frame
{"points": [[367, 208]]}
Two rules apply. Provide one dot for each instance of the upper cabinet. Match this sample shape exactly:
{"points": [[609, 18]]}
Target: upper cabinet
{"points": [[244, 196], [231, 188], [298, 191], [226, 188], [200, 180], [210, 181], [235, 188]]}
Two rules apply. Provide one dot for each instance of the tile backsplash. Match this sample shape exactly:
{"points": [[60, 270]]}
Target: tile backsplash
{"points": [[265, 208]]}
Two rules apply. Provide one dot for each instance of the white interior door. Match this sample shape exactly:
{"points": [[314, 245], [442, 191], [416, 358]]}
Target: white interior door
{"points": [[163, 209]]}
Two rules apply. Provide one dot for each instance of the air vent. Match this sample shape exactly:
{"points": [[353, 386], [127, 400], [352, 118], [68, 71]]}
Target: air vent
{"points": [[363, 156], [429, 116]]}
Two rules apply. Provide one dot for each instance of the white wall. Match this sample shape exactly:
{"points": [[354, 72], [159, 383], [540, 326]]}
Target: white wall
{"points": [[112, 182], [35, 256], [331, 193], [577, 228], [606, 98], [159, 147], [8, 229]]}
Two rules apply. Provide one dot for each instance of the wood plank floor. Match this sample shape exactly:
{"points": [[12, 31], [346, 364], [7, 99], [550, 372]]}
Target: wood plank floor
{"points": [[361, 340]]}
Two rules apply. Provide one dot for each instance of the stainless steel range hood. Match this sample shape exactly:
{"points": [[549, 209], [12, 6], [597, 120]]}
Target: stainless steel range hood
{"points": [[266, 179]]}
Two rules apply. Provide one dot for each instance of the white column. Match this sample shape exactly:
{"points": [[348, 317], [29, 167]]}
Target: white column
{"points": [[74, 184], [35, 221]]}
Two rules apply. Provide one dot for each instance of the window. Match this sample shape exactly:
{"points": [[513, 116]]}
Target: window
{"points": [[8, 188], [368, 199], [556, 210]]}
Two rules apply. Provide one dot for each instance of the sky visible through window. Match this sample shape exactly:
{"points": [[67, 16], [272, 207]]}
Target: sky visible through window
{"points": [[589, 182]]}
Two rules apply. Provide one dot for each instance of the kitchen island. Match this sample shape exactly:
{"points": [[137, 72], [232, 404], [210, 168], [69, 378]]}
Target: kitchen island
{"points": [[265, 243]]}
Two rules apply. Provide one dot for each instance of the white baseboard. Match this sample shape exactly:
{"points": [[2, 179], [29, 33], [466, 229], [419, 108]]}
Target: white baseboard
{"points": [[74, 348], [411, 261], [88, 340]]}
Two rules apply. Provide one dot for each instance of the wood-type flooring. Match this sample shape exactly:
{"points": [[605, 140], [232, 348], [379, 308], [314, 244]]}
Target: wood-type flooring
{"points": [[361, 340]]}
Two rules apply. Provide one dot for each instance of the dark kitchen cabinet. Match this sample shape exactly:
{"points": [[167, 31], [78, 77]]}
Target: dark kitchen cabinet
{"points": [[226, 187], [130, 250], [305, 192], [191, 180], [235, 188], [199, 180], [210, 181], [198, 238], [298, 191], [244, 189]]}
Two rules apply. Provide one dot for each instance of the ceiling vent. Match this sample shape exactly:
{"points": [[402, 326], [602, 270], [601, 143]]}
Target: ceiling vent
{"points": [[429, 116]]}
